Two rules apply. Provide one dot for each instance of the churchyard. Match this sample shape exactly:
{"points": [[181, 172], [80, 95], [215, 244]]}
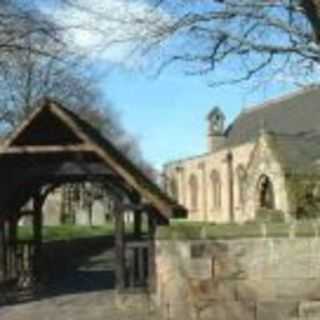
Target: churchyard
{"points": [[67, 232], [151, 259]]}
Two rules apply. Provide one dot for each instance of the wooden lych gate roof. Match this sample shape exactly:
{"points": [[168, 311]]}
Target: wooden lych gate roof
{"points": [[54, 145]]}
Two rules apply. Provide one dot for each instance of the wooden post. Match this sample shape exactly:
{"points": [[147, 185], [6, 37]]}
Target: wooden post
{"points": [[37, 232], [138, 266], [120, 249], [151, 262], [2, 250], [5, 248], [13, 229], [137, 229], [13, 246], [231, 186]]}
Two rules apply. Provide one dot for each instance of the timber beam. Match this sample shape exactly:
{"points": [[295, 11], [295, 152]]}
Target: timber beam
{"points": [[34, 149]]}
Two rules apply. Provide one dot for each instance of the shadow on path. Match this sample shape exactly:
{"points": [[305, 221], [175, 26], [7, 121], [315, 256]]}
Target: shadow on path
{"points": [[70, 267], [78, 266], [78, 283]]}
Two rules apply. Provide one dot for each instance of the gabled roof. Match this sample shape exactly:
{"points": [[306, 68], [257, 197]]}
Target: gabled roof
{"points": [[298, 154], [51, 126], [295, 114]]}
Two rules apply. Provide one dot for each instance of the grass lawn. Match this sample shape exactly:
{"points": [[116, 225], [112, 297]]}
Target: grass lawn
{"points": [[67, 232], [186, 230]]}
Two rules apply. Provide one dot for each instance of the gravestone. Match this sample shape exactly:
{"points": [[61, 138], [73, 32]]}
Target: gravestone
{"points": [[82, 217], [25, 221], [128, 217], [52, 209], [98, 214]]}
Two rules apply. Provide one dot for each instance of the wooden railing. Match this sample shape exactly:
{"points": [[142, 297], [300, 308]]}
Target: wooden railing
{"points": [[19, 262], [137, 264]]}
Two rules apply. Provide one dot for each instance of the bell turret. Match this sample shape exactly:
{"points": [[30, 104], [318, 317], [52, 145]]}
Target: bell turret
{"points": [[216, 138]]}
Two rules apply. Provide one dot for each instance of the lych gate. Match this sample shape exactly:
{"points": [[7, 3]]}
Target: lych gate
{"points": [[52, 147]]}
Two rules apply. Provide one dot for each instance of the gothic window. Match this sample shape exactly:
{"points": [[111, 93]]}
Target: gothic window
{"points": [[193, 185], [266, 193], [174, 189], [216, 189], [241, 175]]}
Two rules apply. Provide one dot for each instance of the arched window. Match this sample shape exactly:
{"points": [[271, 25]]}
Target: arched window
{"points": [[241, 175], [265, 193], [193, 185], [174, 189], [216, 189]]}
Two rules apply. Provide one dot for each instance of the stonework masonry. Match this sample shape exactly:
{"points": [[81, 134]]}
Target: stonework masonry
{"points": [[257, 159], [251, 279], [253, 164]]}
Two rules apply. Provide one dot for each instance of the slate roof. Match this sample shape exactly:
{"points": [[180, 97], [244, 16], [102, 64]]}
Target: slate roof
{"points": [[294, 114], [298, 154]]}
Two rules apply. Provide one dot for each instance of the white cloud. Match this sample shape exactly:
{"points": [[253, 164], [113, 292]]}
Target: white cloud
{"points": [[104, 29]]}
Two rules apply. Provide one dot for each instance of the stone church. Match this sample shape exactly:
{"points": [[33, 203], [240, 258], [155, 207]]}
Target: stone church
{"points": [[267, 160]]}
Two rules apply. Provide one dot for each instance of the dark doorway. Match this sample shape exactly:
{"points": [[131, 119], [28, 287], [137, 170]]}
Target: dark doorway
{"points": [[265, 193]]}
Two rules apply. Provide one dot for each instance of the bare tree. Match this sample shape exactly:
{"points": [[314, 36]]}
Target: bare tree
{"points": [[245, 37], [27, 78], [20, 20], [36, 61]]}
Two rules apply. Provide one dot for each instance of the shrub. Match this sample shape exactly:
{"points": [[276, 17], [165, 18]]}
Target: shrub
{"points": [[307, 211]]}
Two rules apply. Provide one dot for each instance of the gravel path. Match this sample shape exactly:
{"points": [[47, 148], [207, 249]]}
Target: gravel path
{"points": [[85, 306]]}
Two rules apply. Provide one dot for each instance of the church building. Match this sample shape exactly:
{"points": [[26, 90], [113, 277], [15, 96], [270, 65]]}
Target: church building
{"points": [[267, 160]]}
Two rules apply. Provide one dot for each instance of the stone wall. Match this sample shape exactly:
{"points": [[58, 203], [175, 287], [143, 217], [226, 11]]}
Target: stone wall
{"points": [[247, 279]]}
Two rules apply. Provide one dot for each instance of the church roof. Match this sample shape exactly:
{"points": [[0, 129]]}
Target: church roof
{"points": [[298, 154], [294, 114]]}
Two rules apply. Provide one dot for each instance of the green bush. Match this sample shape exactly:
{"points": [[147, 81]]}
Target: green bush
{"points": [[307, 212]]}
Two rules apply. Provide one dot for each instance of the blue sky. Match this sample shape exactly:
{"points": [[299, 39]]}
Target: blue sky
{"points": [[167, 114]]}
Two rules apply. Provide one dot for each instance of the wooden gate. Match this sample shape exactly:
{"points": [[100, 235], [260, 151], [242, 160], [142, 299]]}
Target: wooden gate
{"points": [[135, 267], [137, 264]]}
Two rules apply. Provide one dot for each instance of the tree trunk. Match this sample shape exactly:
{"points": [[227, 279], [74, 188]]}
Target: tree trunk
{"points": [[312, 12]]}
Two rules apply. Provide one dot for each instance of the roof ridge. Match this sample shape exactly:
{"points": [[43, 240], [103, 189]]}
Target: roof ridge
{"points": [[186, 158], [278, 99]]}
